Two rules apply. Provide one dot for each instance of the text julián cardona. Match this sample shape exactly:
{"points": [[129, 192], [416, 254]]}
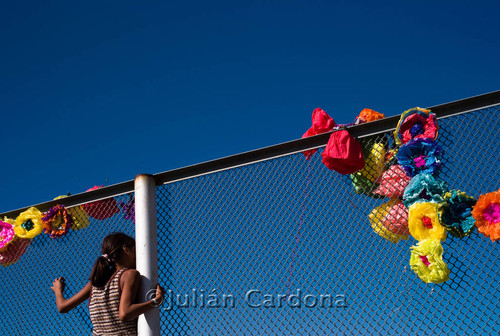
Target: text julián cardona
{"points": [[253, 298]]}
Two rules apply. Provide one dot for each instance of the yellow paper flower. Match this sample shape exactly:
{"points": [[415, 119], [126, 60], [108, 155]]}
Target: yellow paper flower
{"points": [[29, 223], [80, 217], [374, 162], [427, 261], [423, 222], [378, 215]]}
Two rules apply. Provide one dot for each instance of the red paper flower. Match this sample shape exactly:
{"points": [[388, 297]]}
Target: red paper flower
{"points": [[416, 123], [14, 251], [321, 123], [101, 209], [343, 153]]}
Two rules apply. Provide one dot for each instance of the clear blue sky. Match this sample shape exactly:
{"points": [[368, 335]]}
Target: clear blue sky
{"points": [[97, 92]]}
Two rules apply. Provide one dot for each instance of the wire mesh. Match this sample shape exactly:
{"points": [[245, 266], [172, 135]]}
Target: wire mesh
{"points": [[28, 304], [284, 247]]}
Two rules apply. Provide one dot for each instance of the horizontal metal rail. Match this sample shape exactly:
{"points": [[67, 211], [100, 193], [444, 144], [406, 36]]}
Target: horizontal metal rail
{"points": [[266, 153]]}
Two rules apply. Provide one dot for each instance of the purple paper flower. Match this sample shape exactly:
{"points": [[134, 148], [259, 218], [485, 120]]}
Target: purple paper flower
{"points": [[57, 221], [128, 209]]}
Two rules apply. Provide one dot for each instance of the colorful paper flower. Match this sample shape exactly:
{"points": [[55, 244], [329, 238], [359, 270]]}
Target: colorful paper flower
{"points": [[390, 155], [424, 188], [14, 251], [426, 261], [343, 153], [57, 221], [487, 215], [101, 209], [80, 217], [374, 162], [455, 213], [368, 115], [362, 185], [392, 182], [128, 209], [396, 218], [416, 123], [7, 235], [380, 218], [28, 224], [385, 233], [419, 156], [423, 222], [321, 123]]}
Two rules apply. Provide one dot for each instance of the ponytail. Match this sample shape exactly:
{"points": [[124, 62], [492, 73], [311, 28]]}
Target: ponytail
{"points": [[103, 269], [105, 265]]}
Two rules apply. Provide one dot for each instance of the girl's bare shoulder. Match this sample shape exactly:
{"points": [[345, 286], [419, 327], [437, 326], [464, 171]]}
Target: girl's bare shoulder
{"points": [[130, 274]]}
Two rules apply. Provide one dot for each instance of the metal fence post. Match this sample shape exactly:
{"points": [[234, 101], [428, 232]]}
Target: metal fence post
{"points": [[146, 249]]}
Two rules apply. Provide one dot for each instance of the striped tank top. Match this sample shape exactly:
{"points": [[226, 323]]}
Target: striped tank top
{"points": [[104, 306]]}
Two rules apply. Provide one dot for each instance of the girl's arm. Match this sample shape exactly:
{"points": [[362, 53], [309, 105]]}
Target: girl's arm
{"points": [[129, 283], [65, 305]]}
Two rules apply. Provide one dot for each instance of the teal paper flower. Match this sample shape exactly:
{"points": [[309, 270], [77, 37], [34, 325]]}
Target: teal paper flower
{"points": [[424, 188]]}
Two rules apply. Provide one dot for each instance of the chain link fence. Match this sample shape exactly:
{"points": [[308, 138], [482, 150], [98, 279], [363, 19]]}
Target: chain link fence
{"points": [[28, 303], [283, 247]]}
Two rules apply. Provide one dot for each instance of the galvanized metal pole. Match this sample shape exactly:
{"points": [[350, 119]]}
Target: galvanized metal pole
{"points": [[146, 250]]}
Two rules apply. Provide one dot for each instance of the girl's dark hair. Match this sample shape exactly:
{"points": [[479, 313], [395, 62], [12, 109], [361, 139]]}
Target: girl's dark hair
{"points": [[105, 265]]}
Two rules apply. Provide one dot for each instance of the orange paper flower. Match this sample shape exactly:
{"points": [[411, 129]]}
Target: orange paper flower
{"points": [[368, 115], [57, 221], [486, 212]]}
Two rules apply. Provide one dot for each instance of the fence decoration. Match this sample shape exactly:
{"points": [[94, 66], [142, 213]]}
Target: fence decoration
{"points": [[279, 245]]}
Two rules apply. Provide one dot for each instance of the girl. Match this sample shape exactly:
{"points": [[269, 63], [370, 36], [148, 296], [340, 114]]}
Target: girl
{"points": [[112, 289]]}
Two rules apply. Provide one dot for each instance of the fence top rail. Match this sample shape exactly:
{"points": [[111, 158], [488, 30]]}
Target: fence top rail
{"points": [[262, 154]]}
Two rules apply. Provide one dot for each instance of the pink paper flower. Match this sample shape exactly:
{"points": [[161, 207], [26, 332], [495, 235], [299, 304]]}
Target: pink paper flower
{"points": [[7, 235], [392, 182], [396, 218]]}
